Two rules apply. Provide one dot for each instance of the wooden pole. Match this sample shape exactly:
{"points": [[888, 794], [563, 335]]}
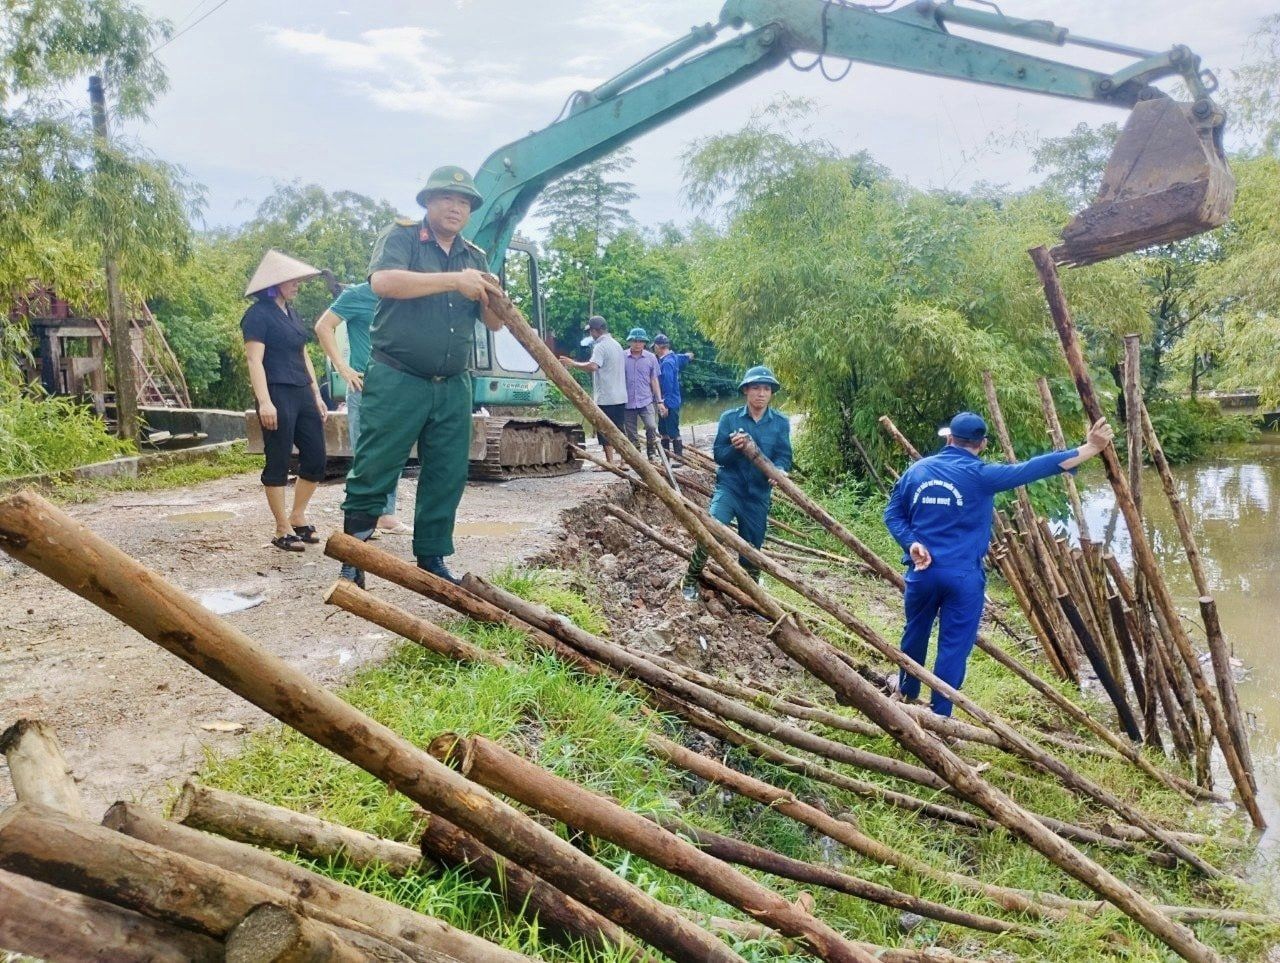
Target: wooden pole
{"points": [[820, 659], [59, 926], [521, 890], [260, 824], [1059, 440], [38, 768], [1144, 557], [320, 895], [892, 431], [766, 861], [1133, 406], [186, 892], [126, 375], [40, 535], [347, 595], [271, 933], [1218, 649], [502, 771]]}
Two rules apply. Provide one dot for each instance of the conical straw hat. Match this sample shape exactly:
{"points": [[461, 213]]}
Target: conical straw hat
{"points": [[276, 268]]}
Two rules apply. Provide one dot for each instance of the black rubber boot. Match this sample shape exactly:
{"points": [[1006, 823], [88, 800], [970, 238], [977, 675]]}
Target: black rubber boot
{"points": [[679, 446], [435, 565], [361, 526]]}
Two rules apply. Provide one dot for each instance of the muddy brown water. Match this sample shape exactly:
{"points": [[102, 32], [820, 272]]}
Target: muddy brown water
{"points": [[1233, 501]]}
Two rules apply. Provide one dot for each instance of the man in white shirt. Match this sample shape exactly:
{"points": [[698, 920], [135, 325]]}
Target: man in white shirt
{"points": [[608, 376]]}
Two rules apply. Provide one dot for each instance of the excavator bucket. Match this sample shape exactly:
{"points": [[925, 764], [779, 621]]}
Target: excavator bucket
{"points": [[1166, 179]]}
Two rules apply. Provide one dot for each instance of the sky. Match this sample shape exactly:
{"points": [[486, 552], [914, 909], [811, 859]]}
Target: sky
{"points": [[371, 96]]}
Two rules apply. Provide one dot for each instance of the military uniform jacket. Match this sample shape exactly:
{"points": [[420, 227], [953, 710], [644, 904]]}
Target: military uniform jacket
{"points": [[772, 435], [433, 336]]}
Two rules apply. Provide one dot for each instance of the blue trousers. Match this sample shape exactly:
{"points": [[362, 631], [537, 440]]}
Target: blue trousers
{"points": [[954, 598], [751, 512]]}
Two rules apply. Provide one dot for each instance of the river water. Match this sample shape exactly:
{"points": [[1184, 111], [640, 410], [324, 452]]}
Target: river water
{"points": [[1233, 501]]}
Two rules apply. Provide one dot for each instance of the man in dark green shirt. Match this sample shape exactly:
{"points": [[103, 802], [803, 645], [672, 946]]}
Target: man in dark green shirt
{"points": [[432, 286]]}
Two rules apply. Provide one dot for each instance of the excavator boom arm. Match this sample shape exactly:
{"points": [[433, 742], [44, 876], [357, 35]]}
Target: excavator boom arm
{"points": [[914, 37]]}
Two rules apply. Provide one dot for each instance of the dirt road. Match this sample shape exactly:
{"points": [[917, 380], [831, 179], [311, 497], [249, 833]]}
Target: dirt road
{"points": [[131, 716]]}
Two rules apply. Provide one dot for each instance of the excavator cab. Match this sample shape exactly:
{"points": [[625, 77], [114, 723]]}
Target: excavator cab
{"points": [[1166, 179]]}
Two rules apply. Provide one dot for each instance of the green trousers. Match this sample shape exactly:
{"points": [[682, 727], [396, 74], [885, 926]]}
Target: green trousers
{"points": [[396, 410]]}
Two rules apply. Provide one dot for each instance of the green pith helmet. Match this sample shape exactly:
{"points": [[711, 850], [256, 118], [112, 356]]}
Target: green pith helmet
{"points": [[638, 334], [759, 375], [451, 179]]}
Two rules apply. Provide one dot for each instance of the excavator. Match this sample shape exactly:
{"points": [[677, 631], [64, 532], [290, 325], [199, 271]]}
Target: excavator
{"points": [[1166, 179]]}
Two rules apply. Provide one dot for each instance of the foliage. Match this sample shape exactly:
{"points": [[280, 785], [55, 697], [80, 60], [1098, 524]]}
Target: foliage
{"points": [[232, 460], [41, 434], [1189, 428], [871, 298], [1074, 162], [1253, 98]]}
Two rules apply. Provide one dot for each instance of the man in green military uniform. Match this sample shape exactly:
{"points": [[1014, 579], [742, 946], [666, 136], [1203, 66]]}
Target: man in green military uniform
{"points": [[432, 286]]}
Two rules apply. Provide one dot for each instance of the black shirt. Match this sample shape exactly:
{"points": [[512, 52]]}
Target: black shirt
{"points": [[284, 335]]}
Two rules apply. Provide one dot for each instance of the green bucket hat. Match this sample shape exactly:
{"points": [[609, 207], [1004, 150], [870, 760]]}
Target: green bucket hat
{"points": [[759, 375], [451, 179], [638, 334]]}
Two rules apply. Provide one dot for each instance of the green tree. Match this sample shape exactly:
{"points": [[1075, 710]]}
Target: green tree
{"points": [[1074, 162], [871, 298], [586, 210], [1254, 95]]}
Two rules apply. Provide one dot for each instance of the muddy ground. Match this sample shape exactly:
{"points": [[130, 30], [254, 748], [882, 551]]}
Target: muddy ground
{"points": [[132, 717]]}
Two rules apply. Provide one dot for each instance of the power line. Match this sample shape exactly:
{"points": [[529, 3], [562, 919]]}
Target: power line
{"points": [[201, 19]]}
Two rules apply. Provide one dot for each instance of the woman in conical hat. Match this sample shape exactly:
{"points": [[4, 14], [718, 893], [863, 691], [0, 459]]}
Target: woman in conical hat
{"points": [[290, 409]]}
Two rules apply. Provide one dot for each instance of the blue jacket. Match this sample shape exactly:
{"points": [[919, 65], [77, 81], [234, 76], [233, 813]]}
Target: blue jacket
{"points": [[772, 435], [669, 367], [945, 502]]}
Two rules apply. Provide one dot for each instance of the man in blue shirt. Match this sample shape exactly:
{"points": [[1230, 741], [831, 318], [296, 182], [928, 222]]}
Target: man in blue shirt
{"points": [[940, 513], [742, 491], [670, 364]]}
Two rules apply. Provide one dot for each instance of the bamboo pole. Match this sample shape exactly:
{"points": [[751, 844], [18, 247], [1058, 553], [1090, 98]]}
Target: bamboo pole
{"points": [[1143, 555], [1133, 406], [59, 926], [38, 768], [40, 535], [187, 892], [257, 823], [892, 431], [271, 933], [865, 455], [347, 595], [521, 890], [502, 771], [1050, 409], [336, 901], [819, 658], [1218, 650]]}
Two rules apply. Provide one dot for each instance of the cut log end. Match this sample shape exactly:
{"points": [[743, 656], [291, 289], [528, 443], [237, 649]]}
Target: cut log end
{"points": [[455, 751]]}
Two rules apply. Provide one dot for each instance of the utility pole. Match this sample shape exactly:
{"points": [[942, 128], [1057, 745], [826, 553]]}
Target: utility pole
{"points": [[117, 316]]}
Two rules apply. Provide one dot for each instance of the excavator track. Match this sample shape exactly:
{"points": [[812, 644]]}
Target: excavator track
{"points": [[526, 448]]}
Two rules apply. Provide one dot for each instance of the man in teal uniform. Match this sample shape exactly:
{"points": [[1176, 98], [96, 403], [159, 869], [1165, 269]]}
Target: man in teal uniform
{"points": [[355, 307], [742, 491], [432, 286]]}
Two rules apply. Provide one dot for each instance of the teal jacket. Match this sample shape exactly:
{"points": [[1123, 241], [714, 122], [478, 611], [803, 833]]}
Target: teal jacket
{"points": [[772, 435]]}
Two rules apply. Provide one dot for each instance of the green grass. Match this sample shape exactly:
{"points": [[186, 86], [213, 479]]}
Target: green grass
{"points": [[569, 723], [228, 461]]}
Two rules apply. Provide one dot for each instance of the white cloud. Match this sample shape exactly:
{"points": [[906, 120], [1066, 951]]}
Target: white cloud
{"points": [[399, 69]]}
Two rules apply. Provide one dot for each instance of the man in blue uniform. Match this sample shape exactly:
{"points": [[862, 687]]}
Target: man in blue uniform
{"points": [[742, 491], [670, 364], [940, 513]]}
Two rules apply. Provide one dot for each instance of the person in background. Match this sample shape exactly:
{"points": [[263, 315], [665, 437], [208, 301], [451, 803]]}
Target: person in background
{"points": [[290, 410], [940, 513], [356, 306], [608, 376], [742, 490], [644, 393], [670, 364]]}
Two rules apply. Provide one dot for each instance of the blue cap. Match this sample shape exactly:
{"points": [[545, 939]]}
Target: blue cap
{"points": [[968, 426], [638, 334], [661, 339]]}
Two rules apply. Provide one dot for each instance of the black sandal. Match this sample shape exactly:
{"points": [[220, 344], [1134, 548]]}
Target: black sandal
{"points": [[288, 543], [307, 533]]}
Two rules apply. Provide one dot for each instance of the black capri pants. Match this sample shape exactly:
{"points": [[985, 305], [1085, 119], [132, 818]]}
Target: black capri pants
{"points": [[297, 424]]}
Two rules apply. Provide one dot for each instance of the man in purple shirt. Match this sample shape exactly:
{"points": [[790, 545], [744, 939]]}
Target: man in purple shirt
{"points": [[644, 393]]}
